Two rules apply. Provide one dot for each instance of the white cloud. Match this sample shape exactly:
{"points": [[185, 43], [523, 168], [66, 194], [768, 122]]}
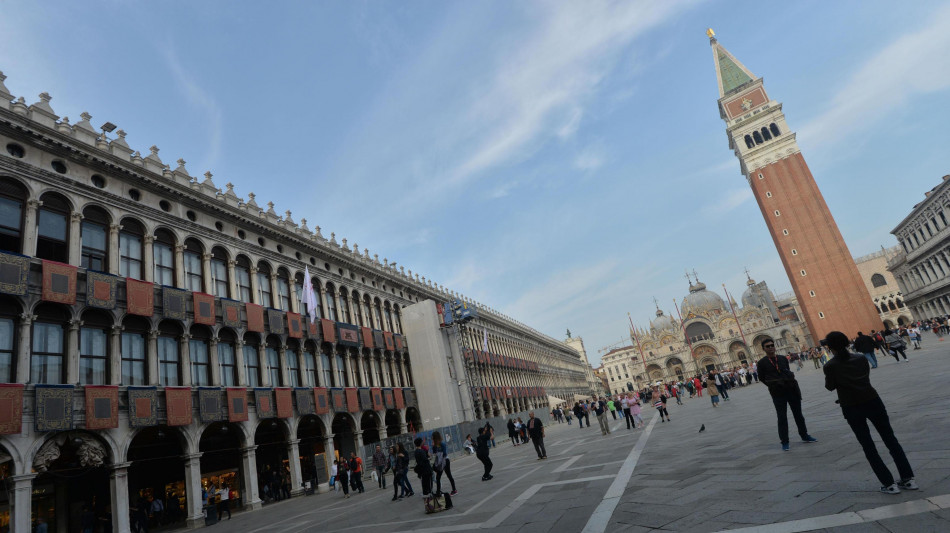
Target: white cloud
{"points": [[914, 64], [729, 201], [590, 159], [201, 99]]}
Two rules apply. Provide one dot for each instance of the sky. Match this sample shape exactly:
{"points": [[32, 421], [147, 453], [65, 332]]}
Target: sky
{"points": [[561, 162]]}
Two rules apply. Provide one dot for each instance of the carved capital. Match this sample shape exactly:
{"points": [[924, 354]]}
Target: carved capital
{"points": [[153, 334], [115, 228], [179, 248], [232, 263], [76, 217], [33, 204], [75, 324], [26, 319], [186, 337], [252, 270], [117, 328], [206, 257], [148, 240]]}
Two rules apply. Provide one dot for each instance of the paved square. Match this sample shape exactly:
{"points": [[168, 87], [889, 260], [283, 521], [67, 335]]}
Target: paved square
{"points": [[733, 476]]}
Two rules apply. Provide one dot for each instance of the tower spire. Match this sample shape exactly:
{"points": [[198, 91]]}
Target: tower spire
{"points": [[730, 72]]}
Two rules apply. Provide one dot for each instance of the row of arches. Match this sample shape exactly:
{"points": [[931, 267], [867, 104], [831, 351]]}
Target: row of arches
{"points": [[762, 135], [51, 227], [55, 344], [76, 470]]}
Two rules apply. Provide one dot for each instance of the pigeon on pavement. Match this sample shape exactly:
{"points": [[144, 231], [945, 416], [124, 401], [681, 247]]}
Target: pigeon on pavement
{"points": [[702, 428]]}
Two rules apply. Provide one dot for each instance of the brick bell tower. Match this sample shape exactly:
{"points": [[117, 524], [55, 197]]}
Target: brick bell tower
{"points": [[817, 261]]}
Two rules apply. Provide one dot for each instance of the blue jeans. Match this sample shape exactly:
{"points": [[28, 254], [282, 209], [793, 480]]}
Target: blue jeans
{"points": [[871, 359]]}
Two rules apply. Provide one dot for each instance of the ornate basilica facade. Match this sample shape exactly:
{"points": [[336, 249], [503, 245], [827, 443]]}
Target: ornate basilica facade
{"points": [[709, 336]]}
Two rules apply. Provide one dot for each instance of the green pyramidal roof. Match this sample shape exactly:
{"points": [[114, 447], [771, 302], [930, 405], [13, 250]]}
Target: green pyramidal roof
{"points": [[732, 75]]}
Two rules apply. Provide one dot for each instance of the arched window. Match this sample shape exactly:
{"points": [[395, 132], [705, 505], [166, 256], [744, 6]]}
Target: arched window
{"points": [[378, 313], [273, 362], [326, 378], [774, 129], [883, 308], [310, 364], [900, 304], [263, 285], [330, 295], [344, 306], [251, 362], [12, 199], [389, 318], [9, 311], [409, 382], [169, 360], [94, 348], [368, 309], [749, 143], [298, 290], [293, 368], [891, 306], [226, 359], [765, 134], [397, 318], [317, 297], [219, 272], [95, 237], [133, 350], [378, 365], [398, 382], [130, 249], [283, 289], [192, 262], [877, 280], [357, 310], [389, 374], [757, 137], [340, 368], [163, 251], [52, 236], [49, 345], [200, 361], [242, 276]]}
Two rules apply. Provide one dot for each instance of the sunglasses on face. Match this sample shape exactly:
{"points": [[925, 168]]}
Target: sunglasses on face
{"points": [[769, 346]]}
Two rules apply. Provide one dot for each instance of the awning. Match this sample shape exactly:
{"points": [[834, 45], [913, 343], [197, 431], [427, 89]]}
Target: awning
{"points": [[554, 401]]}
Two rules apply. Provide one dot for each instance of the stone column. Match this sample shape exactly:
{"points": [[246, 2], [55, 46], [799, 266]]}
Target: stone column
{"points": [[214, 363], [119, 493], [232, 282], [283, 365], [21, 498], [113, 266], [185, 356], [151, 357], [206, 282], [72, 351], [263, 366], [29, 229], [391, 379], [194, 515], [274, 294], [239, 362], [302, 367], [251, 498], [180, 266], [148, 258], [320, 369], [293, 456], [330, 457], [24, 349], [255, 286], [360, 370], [115, 355], [75, 239], [295, 305]]}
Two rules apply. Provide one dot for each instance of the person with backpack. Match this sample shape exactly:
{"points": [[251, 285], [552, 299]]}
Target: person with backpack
{"points": [[849, 375], [443, 465]]}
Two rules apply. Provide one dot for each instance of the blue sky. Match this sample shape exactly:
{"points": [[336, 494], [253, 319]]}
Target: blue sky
{"points": [[562, 162]]}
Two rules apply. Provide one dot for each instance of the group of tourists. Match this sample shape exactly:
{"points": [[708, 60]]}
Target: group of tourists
{"points": [[347, 475]]}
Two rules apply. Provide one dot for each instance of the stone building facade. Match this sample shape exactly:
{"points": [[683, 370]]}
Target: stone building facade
{"points": [[922, 263], [885, 292], [710, 336], [154, 338]]}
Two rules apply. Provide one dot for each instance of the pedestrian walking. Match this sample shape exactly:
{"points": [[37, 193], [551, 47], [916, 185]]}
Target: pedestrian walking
{"points": [[914, 333], [423, 467], [442, 465], [356, 472], [600, 409], [343, 477], [579, 413], [714, 393], [334, 475], [850, 377], [380, 465], [536, 432], [512, 432], [402, 472], [864, 345], [659, 402], [625, 409], [720, 385], [895, 345], [485, 435], [785, 392], [635, 412]]}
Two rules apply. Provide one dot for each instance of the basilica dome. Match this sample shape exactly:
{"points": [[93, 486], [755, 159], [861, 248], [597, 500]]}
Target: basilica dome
{"points": [[661, 321], [755, 296], [699, 300]]}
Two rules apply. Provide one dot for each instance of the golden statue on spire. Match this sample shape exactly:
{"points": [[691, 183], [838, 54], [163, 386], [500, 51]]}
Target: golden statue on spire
{"points": [[710, 33]]}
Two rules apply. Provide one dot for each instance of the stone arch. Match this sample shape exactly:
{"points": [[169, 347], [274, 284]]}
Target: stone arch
{"points": [[757, 344], [371, 427], [415, 419], [699, 330], [343, 427], [739, 352], [393, 422], [8, 448], [654, 372]]}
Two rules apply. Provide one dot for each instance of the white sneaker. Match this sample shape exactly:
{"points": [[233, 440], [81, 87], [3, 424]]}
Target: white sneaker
{"points": [[908, 484], [891, 489]]}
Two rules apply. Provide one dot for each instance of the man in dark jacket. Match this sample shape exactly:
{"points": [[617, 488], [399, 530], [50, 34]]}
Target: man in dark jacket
{"points": [[423, 467], [864, 345], [783, 387], [850, 376], [536, 432]]}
